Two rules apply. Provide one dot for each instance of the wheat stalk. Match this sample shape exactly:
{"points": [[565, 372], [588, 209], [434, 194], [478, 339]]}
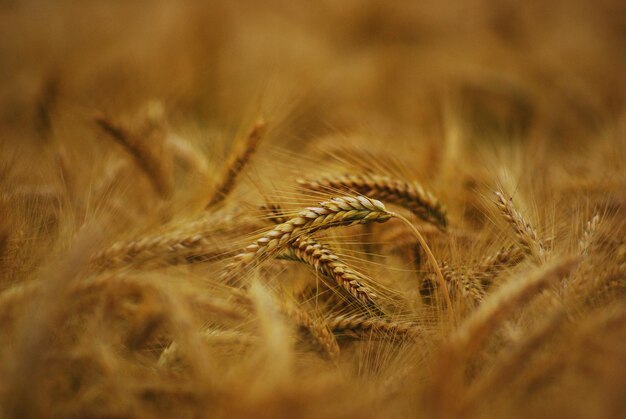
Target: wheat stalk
{"points": [[410, 195], [238, 159], [526, 235]]}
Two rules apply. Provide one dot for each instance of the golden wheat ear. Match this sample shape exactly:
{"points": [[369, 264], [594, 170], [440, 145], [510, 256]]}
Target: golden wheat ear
{"points": [[146, 148], [526, 235], [362, 327], [410, 195], [588, 235], [490, 266], [319, 256], [239, 158], [339, 211]]}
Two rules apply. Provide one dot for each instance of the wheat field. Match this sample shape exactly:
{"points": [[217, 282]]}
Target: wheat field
{"points": [[330, 209]]}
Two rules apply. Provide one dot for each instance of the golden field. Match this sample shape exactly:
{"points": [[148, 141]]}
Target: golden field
{"points": [[331, 209]]}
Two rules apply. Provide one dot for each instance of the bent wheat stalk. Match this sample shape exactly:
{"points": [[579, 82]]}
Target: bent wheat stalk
{"points": [[340, 211], [410, 195], [431, 259]]}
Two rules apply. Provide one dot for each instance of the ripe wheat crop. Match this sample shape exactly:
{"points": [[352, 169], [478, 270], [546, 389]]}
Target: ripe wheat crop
{"points": [[355, 209]]}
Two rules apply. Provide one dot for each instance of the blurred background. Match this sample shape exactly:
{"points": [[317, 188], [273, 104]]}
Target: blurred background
{"points": [[503, 69]]}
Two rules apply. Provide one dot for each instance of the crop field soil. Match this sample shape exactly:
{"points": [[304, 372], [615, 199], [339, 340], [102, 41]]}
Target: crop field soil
{"points": [[312, 209]]}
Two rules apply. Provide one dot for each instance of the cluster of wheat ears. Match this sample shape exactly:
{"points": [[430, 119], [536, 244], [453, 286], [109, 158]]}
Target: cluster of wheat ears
{"points": [[152, 266]]}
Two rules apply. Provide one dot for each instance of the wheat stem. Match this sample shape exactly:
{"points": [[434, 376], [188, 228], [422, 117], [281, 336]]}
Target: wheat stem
{"points": [[431, 259]]}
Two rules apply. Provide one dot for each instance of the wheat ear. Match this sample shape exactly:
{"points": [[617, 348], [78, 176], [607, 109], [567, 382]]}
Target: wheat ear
{"points": [[319, 256], [490, 266], [464, 283], [410, 195], [171, 248], [340, 211], [359, 325], [318, 329], [238, 159], [588, 235], [307, 250], [526, 235], [189, 242], [147, 156]]}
